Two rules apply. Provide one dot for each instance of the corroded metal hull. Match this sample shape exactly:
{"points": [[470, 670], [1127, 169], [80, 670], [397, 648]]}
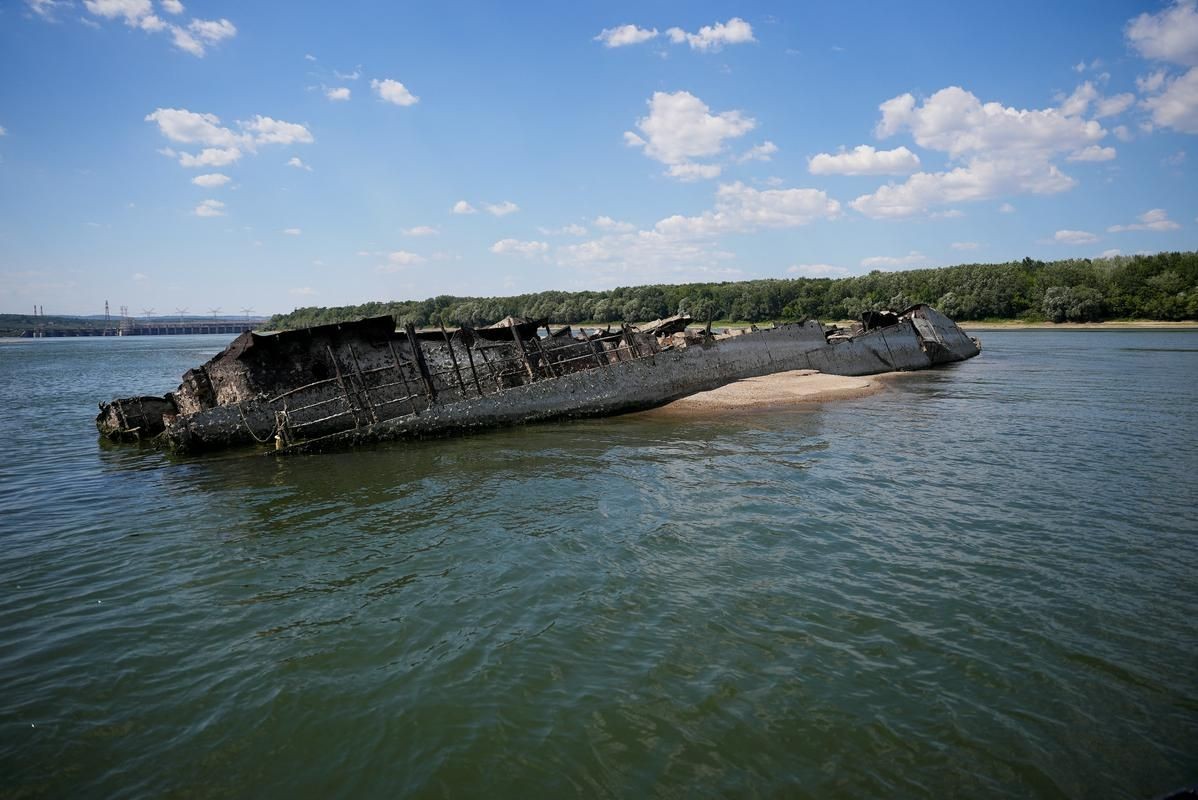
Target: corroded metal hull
{"points": [[337, 386]]}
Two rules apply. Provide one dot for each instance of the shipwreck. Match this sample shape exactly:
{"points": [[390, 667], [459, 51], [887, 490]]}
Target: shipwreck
{"points": [[334, 386]]}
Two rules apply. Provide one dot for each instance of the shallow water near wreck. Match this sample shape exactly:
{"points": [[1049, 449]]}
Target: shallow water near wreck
{"points": [[979, 581]]}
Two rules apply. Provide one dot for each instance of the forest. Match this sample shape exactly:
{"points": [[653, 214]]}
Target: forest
{"points": [[1163, 286]]}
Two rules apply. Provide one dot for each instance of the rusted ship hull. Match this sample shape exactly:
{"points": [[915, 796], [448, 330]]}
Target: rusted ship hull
{"points": [[337, 386]]}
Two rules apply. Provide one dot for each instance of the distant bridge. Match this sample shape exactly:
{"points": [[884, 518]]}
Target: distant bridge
{"points": [[130, 327]]}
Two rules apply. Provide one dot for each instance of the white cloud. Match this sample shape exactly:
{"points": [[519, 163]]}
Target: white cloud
{"points": [[501, 209], [1170, 35], [741, 209], [274, 131], [956, 122], [45, 8], [1176, 106], [1074, 237], [309, 57], [616, 226], [1006, 151], [393, 91], [688, 172], [761, 152], [292, 231], [712, 38], [1122, 133], [186, 42], [212, 31], [171, 6], [133, 11], [421, 230], [865, 160], [462, 207], [211, 157], [3, 131], [211, 180], [305, 291], [950, 213], [980, 179], [348, 76], [1156, 219], [517, 247], [573, 229], [398, 259], [877, 262], [1092, 153], [818, 271], [1006, 208], [1116, 104], [339, 93], [965, 245], [296, 162], [1114, 251], [1175, 160], [679, 129], [189, 127], [624, 35], [210, 208]]}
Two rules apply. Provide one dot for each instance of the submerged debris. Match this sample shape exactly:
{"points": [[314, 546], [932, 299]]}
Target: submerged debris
{"points": [[337, 385]]}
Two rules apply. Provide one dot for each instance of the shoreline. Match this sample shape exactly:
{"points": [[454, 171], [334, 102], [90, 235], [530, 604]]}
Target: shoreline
{"points": [[771, 392], [1126, 325]]}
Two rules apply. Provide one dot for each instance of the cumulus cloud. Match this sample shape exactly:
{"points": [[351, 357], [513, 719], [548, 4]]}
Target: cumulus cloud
{"points": [[879, 262], [624, 35], [501, 209], [402, 258], [1092, 153], [818, 271], [296, 162], [338, 93], [1156, 219], [210, 180], [46, 8], [517, 247], [680, 128], [392, 91], [1169, 35], [1074, 237], [865, 160], [761, 152], [964, 245], [616, 226], [1176, 106], [573, 229], [222, 145], [171, 6], [1005, 150], [740, 209], [712, 38], [211, 157], [292, 231], [421, 230], [688, 172], [1006, 208], [462, 207], [210, 208]]}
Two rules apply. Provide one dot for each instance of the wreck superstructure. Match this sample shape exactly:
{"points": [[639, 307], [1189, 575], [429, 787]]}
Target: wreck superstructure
{"points": [[337, 385]]}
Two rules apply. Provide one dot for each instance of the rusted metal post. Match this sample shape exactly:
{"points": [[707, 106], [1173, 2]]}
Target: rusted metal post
{"points": [[545, 357], [466, 338], [523, 353], [594, 347], [454, 359], [407, 390], [362, 383], [341, 382], [632, 348], [421, 364], [482, 351]]}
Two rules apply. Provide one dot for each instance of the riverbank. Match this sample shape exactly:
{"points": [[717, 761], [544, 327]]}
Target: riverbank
{"points": [[771, 391], [1122, 325]]}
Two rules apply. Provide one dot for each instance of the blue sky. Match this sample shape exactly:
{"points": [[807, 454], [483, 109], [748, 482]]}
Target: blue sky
{"points": [[204, 154]]}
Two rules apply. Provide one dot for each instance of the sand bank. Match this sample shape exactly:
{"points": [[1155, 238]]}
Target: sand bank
{"points": [[773, 391]]}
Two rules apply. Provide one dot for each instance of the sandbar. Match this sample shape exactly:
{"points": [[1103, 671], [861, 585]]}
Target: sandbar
{"points": [[775, 391]]}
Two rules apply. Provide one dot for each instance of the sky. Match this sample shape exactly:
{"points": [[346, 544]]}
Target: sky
{"points": [[210, 154]]}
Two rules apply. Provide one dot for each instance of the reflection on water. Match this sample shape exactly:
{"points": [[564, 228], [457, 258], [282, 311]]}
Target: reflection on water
{"points": [[976, 582]]}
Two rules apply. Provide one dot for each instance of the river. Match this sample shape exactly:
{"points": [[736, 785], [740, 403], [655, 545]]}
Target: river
{"points": [[980, 581]]}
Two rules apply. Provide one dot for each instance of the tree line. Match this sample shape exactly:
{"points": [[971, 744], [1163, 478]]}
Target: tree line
{"points": [[1163, 286]]}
